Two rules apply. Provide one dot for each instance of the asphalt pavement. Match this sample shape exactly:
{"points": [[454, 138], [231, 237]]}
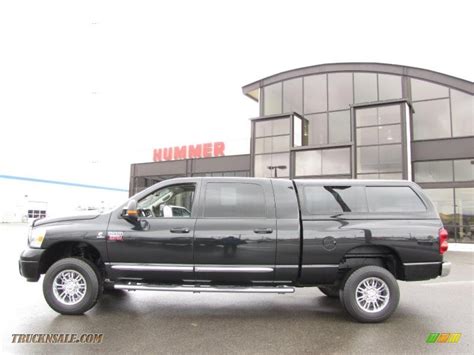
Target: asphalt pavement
{"points": [[177, 323]]}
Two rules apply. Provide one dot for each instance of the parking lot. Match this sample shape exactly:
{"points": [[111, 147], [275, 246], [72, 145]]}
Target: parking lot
{"points": [[303, 322]]}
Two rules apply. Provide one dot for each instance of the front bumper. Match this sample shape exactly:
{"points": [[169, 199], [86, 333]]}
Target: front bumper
{"points": [[445, 269], [29, 264]]}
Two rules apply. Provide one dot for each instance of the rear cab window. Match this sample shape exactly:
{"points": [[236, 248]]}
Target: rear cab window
{"points": [[393, 199], [331, 200]]}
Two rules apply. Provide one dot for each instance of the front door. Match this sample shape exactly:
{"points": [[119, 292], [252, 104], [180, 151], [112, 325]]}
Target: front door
{"points": [[235, 236], [159, 246]]}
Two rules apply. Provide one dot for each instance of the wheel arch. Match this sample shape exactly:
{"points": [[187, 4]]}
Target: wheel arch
{"points": [[74, 248], [379, 255]]}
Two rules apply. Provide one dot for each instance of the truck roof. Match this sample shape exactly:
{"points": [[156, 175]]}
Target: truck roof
{"points": [[362, 182], [355, 182]]}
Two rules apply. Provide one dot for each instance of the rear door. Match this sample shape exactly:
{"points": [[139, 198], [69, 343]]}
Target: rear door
{"points": [[235, 234]]}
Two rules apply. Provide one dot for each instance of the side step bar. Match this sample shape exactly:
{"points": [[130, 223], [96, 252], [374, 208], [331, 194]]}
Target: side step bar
{"points": [[199, 289]]}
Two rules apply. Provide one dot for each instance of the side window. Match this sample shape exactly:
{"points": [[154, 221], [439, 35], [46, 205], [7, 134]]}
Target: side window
{"points": [[234, 200], [168, 202], [393, 199], [334, 199]]}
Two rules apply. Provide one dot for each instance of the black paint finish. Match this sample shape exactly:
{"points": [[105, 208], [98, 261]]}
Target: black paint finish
{"points": [[286, 245]]}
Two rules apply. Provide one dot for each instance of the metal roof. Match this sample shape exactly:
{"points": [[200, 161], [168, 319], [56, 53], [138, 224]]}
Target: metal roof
{"points": [[394, 69]]}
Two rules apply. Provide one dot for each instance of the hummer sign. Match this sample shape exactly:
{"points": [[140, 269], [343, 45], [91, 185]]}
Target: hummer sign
{"points": [[192, 151]]}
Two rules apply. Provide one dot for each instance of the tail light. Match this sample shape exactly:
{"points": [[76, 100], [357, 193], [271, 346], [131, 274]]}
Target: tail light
{"points": [[443, 240]]}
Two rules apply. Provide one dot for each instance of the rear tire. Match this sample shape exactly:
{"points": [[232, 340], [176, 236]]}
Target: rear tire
{"points": [[72, 286], [330, 291], [370, 294]]}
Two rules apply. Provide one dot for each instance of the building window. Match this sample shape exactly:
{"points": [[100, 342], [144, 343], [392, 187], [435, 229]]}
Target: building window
{"points": [[462, 110], [241, 173], [308, 163], [378, 138], [323, 162], [443, 112], [339, 127], [464, 214], [274, 127], [443, 199], [390, 87], [293, 95], [36, 214], [367, 117], [379, 159], [424, 90], [365, 87], [380, 115], [456, 210], [272, 144], [433, 171], [336, 161], [315, 93], [383, 176], [379, 135], [464, 170], [272, 99], [264, 161], [444, 170], [340, 91], [272, 136], [431, 119], [318, 127]]}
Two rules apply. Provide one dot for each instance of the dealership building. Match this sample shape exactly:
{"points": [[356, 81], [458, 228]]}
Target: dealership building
{"points": [[350, 120]]}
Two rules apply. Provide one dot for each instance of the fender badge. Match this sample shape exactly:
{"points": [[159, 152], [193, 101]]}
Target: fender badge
{"points": [[100, 235], [117, 236]]}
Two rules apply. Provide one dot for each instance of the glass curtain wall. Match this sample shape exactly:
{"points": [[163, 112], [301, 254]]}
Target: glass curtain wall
{"points": [[349, 119], [326, 101], [379, 142], [456, 209], [271, 147], [440, 112]]}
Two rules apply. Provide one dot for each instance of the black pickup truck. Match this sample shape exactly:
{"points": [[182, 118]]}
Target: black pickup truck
{"points": [[351, 238]]}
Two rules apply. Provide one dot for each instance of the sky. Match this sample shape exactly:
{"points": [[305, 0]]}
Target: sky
{"points": [[89, 87]]}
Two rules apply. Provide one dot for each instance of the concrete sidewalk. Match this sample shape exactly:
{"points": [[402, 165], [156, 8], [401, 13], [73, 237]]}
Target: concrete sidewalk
{"points": [[464, 247]]}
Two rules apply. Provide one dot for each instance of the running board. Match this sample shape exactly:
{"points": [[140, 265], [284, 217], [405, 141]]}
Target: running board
{"points": [[199, 289]]}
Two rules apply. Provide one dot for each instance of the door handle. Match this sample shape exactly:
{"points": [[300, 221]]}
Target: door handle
{"points": [[179, 230], [263, 230]]}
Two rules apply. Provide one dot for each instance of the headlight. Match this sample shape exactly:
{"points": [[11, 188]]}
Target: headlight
{"points": [[36, 237]]}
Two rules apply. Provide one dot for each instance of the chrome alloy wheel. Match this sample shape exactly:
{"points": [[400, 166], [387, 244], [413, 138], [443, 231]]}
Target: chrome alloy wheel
{"points": [[372, 294], [69, 287]]}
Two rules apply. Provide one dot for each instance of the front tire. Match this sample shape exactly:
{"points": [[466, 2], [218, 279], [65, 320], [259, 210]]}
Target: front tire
{"points": [[72, 286], [370, 294]]}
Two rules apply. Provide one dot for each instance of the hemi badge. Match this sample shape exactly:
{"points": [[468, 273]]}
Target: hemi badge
{"points": [[117, 236]]}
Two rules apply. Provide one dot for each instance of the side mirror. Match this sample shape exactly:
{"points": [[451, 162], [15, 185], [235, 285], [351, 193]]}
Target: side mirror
{"points": [[131, 212]]}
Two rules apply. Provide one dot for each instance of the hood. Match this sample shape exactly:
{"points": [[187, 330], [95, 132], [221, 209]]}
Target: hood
{"points": [[40, 222]]}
